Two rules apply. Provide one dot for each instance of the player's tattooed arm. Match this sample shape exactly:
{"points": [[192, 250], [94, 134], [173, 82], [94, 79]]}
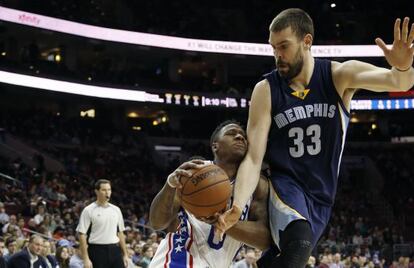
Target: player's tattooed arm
{"points": [[165, 206]]}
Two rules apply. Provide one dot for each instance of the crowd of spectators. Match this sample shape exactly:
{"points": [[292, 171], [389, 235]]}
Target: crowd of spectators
{"points": [[49, 203]]}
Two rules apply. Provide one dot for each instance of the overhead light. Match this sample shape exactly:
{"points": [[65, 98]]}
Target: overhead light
{"points": [[164, 119], [4, 53], [374, 126], [58, 58], [155, 123], [88, 113], [133, 115], [354, 120], [333, 5]]}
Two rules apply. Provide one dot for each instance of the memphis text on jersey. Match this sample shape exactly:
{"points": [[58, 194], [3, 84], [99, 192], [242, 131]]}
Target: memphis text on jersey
{"points": [[302, 112]]}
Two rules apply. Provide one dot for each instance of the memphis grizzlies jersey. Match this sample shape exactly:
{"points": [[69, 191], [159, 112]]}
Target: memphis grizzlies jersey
{"points": [[307, 134], [193, 245]]}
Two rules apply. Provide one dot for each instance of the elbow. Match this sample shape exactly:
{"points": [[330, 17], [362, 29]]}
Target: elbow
{"points": [[156, 224], [405, 88], [156, 227]]}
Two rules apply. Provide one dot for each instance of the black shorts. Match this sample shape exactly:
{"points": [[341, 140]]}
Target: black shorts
{"points": [[106, 256]]}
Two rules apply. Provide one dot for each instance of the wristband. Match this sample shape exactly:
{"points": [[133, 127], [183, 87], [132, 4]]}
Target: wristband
{"points": [[170, 184], [402, 70]]}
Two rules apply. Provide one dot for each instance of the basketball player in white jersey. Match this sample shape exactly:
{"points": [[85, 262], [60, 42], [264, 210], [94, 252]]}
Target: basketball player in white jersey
{"points": [[191, 241]]}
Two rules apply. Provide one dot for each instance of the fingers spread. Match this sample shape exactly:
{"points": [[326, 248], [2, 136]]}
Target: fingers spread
{"points": [[405, 29], [382, 45], [397, 30], [411, 35]]}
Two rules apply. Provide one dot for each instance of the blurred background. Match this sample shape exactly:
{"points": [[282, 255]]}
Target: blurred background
{"points": [[55, 145]]}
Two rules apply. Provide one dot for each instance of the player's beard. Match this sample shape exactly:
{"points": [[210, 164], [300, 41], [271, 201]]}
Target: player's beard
{"points": [[293, 69]]}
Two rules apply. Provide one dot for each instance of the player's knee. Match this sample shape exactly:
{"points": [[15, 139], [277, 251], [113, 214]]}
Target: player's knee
{"points": [[297, 253]]}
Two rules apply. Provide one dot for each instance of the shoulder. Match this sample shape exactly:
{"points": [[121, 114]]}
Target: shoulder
{"points": [[114, 206], [261, 93], [42, 261], [262, 85], [22, 254], [89, 208]]}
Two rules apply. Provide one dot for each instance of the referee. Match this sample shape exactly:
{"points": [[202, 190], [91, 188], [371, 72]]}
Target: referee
{"points": [[100, 229]]}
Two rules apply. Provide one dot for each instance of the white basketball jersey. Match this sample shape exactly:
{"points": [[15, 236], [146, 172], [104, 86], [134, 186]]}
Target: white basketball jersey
{"points": [[193, 245]]}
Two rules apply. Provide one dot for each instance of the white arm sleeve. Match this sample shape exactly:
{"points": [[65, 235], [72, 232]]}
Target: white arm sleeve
{"points": [[84, 222], [121, 225]]}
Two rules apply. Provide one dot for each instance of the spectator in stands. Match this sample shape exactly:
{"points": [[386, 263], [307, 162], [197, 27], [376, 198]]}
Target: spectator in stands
{"points": [[336, 262], [46, 253], [76, 259], [249, 260], [59, 233], [11, 246], [2, 260], [12, 221], [62, 256], [21, 225], [136, 257], [311, 262], [130, 262], [38, 218], [147, 255], [29, 257], [4, 218]]}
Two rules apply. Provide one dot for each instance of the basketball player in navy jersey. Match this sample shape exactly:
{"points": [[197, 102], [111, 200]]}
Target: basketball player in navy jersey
{"points": [[191, 241], [298, 116]]}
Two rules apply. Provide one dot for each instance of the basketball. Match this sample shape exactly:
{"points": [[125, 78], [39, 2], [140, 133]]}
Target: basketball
{"points": [[206, 192]]}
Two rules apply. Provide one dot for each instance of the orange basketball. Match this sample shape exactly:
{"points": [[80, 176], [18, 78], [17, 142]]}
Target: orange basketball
{"points": [[206, 192]]}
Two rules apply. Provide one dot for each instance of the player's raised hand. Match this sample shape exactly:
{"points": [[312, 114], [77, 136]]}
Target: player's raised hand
{"points": [[227, 220], [185, 169], [401, 53]]}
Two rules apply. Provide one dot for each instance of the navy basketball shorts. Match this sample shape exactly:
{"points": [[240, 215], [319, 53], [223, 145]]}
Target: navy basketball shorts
{"points": [[288, 203]]}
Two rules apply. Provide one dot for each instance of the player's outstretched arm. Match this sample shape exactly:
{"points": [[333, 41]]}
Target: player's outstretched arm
{"points": [[249, 170], [255, 232], [165, 206], [357, 74]]}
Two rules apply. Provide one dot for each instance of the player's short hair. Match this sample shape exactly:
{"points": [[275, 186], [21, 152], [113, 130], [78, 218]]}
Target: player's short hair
{"points": [[300, 22], [213, 137], [101, 181]]}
